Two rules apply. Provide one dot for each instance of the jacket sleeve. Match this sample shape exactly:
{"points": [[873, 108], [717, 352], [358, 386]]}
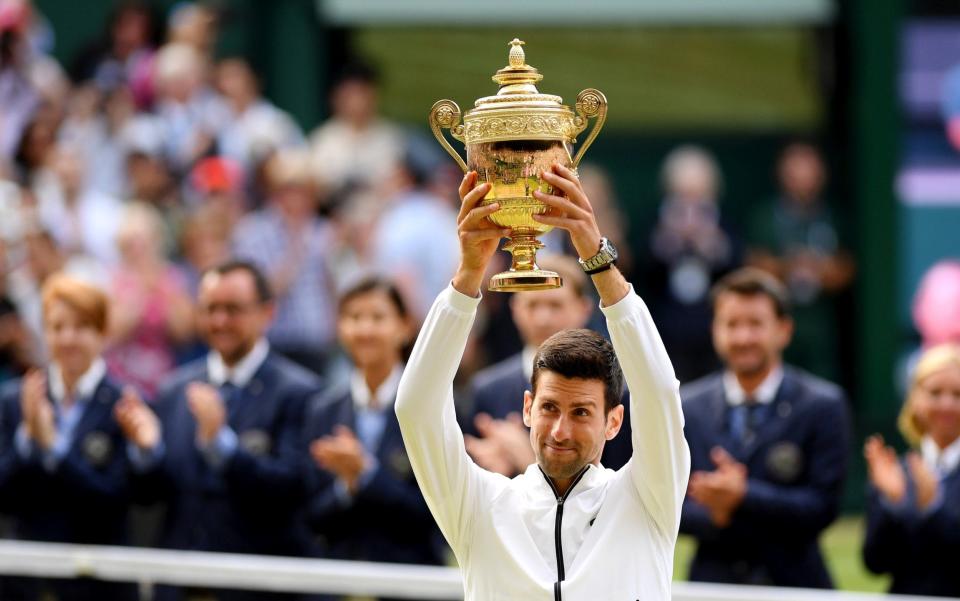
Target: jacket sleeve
{"points": [[452, 485], [887, 534], [809, 508], [660, 465]]}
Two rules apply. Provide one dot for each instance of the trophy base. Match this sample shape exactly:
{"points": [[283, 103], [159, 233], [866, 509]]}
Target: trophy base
{"points": [[525, 281]]}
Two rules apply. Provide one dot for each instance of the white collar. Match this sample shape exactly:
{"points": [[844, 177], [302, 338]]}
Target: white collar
{"points": [[526, 359], [764, 394], [942, 461], [385, 393], [241, 373], [85, 386]]}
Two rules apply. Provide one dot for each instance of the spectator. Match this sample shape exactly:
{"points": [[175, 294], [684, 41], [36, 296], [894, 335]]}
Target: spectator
{"points": [[290, 243], [416, 236], [63, 471], [368, 505], [356, 147], [123, 57], [495, 435], [230, 462], [256, 127], [83, 221], [913, 504], [691, 247], [798, 238], [768, 445], [153, 314], [191, 113]]}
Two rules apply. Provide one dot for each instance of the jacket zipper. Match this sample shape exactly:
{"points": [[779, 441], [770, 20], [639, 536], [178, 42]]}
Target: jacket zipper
{"points": [[558, 522]]}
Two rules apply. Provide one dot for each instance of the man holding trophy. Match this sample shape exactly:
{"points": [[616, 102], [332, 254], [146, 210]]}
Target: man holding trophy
{"points": [[566, 528]]}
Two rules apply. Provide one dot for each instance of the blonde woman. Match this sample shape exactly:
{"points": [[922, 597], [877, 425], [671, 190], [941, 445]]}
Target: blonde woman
{"points": [[913, 509]]}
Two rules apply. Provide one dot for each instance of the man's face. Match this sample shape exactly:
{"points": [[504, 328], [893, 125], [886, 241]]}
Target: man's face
{"points": [[747, 333], [541, 314], [231, 316], [568, 425]]}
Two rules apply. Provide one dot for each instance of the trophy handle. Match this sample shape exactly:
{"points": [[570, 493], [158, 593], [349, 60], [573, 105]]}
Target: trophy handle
{"points": [[445, 114], [590, 103]]}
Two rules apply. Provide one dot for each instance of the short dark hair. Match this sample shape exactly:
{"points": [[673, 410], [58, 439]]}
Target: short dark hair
{"points": [[751, 281], [374, 283], [581, 354], [260, 282]]}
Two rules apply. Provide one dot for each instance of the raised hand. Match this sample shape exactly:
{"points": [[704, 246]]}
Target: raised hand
{"points": [[884, 470], [571, 210], [479, 236], [926, 481], [207, 408], [37, 411], [137, 421], [342, 454]]}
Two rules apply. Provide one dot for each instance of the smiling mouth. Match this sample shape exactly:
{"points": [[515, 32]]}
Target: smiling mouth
{"points": [[559, 449]]}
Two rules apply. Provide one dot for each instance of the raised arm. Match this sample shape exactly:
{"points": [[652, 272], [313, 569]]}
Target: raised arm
{"points": [[660, 464], [451, 483]]}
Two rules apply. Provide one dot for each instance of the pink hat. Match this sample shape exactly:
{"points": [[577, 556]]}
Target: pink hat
{"points": [[936, 306]]}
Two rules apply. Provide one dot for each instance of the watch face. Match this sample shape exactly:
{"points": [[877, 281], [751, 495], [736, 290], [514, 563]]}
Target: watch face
{"points": [[609, 248]]}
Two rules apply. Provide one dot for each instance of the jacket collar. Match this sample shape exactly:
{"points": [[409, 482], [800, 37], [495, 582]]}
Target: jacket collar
{"points": [[241, 373]]}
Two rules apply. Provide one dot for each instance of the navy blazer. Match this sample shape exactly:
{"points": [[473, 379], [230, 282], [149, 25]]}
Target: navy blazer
{"points": [[253, 503], [83, 500], [387, 519], [498, 391], [919, 549], [796, 466]]}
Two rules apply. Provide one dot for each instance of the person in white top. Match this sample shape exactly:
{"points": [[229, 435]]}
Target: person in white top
{"points": [[567, 528]]}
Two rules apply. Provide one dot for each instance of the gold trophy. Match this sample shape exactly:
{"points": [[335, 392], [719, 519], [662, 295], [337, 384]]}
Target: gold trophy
{"points": [[511, 138]]}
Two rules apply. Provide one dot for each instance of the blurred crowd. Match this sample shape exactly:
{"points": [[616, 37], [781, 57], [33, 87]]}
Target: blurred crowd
{"points": [[205, 310]]}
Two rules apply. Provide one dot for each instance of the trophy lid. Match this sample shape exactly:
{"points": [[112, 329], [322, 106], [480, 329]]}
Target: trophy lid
{"points": [[518, 84], [529, 114]]}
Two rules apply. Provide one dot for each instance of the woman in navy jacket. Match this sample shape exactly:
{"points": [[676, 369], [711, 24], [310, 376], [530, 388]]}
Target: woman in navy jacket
{"points": [[367, 505], [63, 462], [913, 510]]}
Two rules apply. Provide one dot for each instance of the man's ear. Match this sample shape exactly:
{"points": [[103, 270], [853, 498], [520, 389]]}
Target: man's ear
{"points": [[527, 407], [614, 422]]}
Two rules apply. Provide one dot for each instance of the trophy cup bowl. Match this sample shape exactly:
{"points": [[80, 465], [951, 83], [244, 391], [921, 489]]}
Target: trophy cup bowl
{"points": [[511, 139]]}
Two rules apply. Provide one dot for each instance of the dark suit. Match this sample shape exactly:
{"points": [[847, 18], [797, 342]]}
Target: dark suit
{"points": [[919, 550], [253, 502], [83, 500], [387, 519], [796, 463], [498, 391]]}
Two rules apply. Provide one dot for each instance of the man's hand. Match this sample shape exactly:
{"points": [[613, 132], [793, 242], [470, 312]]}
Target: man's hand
{"points": [[137, 422], [505, 447], [884, 470], [479, 236], [37, 411], [342, 454], [488, 454], [208, 409], [571, 211], [722, 490]]}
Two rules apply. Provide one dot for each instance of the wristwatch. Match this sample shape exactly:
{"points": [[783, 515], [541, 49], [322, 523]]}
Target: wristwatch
{"points": [[602, 261]]}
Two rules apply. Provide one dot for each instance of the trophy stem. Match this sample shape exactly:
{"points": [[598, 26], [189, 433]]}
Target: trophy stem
{"points": [[524, 275]]}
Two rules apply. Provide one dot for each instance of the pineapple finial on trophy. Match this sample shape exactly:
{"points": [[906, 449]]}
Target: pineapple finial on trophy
{"points": [[517, 57]]}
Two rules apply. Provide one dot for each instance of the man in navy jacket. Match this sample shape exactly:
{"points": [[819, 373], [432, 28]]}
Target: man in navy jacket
{"points": [[229, 463], [768, 447], [496, 439]]}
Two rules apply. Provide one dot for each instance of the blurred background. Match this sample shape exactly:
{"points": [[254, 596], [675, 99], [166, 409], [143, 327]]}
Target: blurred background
{"points": [[174, 123]]}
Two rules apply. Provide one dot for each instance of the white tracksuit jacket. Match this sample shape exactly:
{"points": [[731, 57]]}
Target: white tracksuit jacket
{"points": [[611, 538]]}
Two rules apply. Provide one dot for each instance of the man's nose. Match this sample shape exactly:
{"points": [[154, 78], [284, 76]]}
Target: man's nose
{"points": [[561, 429]]}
